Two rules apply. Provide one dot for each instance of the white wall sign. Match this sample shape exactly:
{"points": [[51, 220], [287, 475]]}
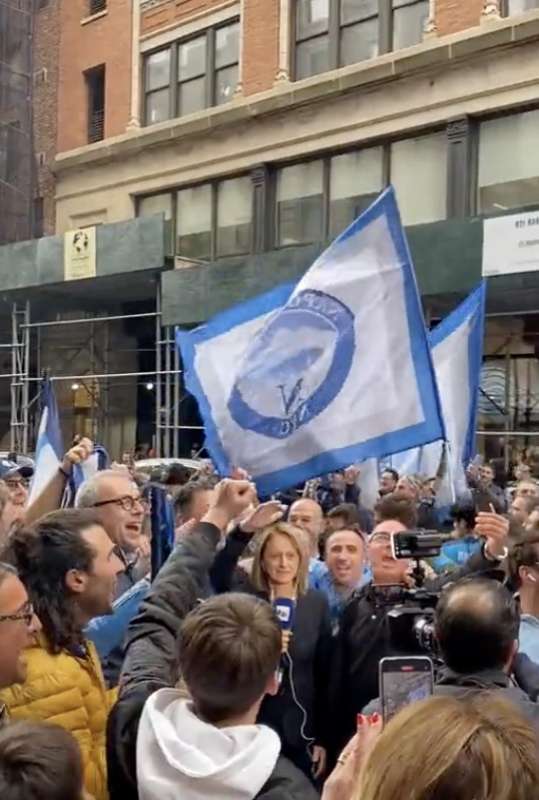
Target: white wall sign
{"points": [[511, 244], [80, 254]]}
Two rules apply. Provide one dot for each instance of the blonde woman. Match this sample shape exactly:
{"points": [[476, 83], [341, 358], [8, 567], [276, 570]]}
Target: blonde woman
{"points": [[444, 748], [298, 712]]}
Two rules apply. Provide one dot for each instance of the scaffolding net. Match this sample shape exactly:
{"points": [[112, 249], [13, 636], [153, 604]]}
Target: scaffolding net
{"points": [[17, 167]]}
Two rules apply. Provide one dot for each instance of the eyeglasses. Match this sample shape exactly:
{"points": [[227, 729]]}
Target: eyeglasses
{"points": [[14, 483], [128, 503], [26, 614], [380, 538]]}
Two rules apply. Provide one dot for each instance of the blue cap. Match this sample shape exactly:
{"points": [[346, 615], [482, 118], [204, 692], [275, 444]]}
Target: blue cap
{"points": [[10, 468]]}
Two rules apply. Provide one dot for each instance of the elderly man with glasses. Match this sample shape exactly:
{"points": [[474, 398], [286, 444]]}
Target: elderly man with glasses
{"points": [[121, 510], [364, 636]]}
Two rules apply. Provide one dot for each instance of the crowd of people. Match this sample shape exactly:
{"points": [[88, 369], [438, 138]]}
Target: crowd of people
{"points": [[247, 664]]}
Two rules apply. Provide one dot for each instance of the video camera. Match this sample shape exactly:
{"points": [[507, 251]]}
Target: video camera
{"points": [[411, 611]]}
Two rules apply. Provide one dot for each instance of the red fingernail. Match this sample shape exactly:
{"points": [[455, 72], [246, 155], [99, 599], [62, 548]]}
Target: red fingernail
{"points": [[374, 719], [360, 720]]}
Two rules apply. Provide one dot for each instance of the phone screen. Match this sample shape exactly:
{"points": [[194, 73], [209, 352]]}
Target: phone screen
{"points": [[404, 681]]}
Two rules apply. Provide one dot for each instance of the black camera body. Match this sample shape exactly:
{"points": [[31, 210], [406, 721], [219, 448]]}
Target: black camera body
{"points": [[411, 611]]}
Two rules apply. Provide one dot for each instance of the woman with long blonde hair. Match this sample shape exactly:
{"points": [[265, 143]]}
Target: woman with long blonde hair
{"points": [[444, 748], [298, 712]]}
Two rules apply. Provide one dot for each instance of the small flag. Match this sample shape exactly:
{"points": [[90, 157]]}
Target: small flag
{"points": [[49, 448], [296, 384]]}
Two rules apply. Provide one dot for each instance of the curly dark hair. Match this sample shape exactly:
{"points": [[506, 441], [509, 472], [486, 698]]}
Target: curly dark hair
{"points": [[43, 554]]}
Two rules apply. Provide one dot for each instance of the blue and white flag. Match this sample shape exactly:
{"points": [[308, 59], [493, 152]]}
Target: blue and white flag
{"points": [[298, 383], [97, 461], [457, 352], [49, 448]]}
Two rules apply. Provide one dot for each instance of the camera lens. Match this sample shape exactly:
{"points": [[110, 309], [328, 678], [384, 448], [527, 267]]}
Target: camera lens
{"points": [[424, 632]]}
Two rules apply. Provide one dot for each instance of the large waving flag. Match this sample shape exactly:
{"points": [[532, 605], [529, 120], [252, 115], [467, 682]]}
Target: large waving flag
{"points": [[49, 448], [298, 383], [457, 352]]}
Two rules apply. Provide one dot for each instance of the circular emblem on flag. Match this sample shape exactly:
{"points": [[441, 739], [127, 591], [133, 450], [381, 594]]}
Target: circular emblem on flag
{"points": [[295, 367]]}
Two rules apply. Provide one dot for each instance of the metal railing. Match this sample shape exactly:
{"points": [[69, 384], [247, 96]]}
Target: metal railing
{"points": [[96, 126]]}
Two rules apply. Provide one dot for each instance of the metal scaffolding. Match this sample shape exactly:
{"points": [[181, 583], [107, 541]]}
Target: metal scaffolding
{"points": [[26, 377]]}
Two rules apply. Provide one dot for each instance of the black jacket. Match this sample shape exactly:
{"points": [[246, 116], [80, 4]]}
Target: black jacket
{"points": [[287, 783], [363, 640], [151, 663], [309, 670], [452, 683], [457, 685], [151, 658]]}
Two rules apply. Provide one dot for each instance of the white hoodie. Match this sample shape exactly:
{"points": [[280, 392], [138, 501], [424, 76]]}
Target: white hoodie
{"points": [[180, 757]]}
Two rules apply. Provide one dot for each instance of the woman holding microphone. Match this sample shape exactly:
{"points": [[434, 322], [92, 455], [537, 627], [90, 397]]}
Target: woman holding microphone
{"points": [[298, 712]]}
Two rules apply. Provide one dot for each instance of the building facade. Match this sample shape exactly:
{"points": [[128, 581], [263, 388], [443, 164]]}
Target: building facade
{"points": [[259, 129]]}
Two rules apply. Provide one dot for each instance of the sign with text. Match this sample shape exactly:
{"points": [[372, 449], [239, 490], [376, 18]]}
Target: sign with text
{"points": [[511, 244], [80, 254]]}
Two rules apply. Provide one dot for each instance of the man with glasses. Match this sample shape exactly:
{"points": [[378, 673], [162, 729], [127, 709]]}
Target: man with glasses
{"points": [[18, 625], [364, 636], [121, 509], [16, 477]]}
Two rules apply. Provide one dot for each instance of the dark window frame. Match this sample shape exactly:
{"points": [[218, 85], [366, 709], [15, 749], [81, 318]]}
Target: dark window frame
{"points": [[210, 73], [335, 27], [326, 155], [214, 187]]}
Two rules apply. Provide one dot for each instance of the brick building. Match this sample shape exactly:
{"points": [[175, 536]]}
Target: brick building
{"points": [[236, 117], [261, 128]]}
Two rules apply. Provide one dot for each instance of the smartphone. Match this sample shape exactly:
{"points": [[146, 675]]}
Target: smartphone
{"points": [[404, 680]]}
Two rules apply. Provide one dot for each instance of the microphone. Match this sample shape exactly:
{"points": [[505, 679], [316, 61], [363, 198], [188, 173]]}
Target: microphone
{"points": [[284, 609]]}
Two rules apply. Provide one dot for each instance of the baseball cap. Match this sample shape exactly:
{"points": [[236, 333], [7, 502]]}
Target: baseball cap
{"points": [[9, 468]]}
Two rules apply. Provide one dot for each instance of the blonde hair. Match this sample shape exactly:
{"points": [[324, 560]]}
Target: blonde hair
{"points": [[479, 747], [299, 541]]}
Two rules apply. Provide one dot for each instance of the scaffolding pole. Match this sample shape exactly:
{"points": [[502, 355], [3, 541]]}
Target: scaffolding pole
{"points": [[26, 372], [20, 373]]}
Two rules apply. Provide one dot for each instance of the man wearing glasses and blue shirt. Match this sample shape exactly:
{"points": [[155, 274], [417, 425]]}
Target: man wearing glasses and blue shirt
{"points": [[121, 510], [117, 501]]}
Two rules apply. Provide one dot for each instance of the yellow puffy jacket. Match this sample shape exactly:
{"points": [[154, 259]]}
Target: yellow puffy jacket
{"points": [[70, 692]]}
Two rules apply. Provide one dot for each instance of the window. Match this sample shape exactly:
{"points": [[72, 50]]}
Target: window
{"points": [[38, 217], [95, 82], [234, 214], [193, 222], [510, 7], [192, 74], [335, 33], [95, 6], [409, 18], [155, 204], [355, 181], [214, 219], [419, 174], [158, 86], [300, 203], [508, 163], [317, 200]]}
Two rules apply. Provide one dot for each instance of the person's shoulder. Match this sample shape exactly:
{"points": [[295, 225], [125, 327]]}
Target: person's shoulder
{"points": [[315, 599], [287, 782]]}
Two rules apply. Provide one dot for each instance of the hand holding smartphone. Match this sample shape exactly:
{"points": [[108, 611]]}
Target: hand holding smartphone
{"points": [[404, 680]]}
